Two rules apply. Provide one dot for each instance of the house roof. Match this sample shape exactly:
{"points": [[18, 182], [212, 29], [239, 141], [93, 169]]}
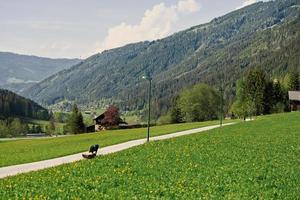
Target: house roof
{"points": [[294, 95], [99, 117]]}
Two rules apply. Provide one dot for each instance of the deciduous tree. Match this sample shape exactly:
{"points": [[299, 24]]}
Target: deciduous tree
{"points": [[111, 116], [199, 103]]}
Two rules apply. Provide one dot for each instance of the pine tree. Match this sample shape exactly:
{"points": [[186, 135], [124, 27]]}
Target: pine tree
{"points": [[75, 123], [80, 123], [255, 88], [294, 81], [242, 107], [176, 115]]}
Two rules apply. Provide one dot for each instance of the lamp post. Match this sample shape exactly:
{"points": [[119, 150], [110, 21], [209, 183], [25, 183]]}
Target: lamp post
{"points": [[221, 89], [147, 77], [221, 106]]}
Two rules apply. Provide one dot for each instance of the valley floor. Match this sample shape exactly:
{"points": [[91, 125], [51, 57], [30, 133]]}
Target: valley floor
{"points": [[23, 168], [32, 150], [254, 160]]}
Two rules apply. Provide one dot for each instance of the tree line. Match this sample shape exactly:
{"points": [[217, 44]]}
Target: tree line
{"points": [[14, 127], [199, 103], [256, 94]]}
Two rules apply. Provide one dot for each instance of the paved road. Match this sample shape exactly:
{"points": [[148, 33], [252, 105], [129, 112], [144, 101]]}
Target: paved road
{"points": [[32, 137], [23, 168]]}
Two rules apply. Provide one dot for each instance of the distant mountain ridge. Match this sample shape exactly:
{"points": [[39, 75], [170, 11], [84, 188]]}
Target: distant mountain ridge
{"points": [[264, 34], [18, 71]]}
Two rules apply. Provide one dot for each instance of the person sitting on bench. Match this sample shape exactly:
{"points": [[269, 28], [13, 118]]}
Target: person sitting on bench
{"points": [[92, 152]]}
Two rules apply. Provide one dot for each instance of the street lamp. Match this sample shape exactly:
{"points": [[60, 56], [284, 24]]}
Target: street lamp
{"points": [[147, 77], [221, 88], [221, 106]]}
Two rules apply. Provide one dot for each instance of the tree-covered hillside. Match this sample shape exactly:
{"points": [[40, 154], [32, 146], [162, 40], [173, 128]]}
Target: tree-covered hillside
{"points": [[264, 34], [20, 71], [13, 105]]}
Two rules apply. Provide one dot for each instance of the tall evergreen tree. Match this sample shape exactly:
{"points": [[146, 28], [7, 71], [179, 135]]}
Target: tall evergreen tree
{"points": [[294, 81], [242, 107], [255, 88], [75, 123], [268, 99], [80, 123], [175, 112]]}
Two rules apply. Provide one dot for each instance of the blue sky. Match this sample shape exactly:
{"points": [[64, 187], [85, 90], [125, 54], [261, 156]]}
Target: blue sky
{"points": [[80, 28]]}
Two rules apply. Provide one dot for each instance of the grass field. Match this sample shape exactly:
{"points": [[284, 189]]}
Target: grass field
{"points": [[24, 151], [253, 160]]}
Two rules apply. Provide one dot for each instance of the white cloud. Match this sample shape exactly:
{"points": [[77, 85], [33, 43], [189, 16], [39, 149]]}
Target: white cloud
{"points": [[156, 23], [249, 2], [188, 6]]}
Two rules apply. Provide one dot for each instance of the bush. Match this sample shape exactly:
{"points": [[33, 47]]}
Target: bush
{"points": [[278, 108], [165, 119], [4, 130], [199, 103], [12, 128]]}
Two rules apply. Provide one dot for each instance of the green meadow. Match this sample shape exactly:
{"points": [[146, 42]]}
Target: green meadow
{"points": [[253, 160], [30, 150]]}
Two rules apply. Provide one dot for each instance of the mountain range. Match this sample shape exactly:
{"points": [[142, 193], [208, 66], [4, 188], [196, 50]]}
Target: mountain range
{"points": [[264, 34], [21, 71]]}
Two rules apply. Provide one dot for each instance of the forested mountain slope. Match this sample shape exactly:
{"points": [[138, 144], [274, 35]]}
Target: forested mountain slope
{"points": [[263, 34], [13, 105], [19, 71]]}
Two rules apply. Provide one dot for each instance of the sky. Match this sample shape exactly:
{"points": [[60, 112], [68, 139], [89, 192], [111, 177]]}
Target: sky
{"points": [[81, 28]]}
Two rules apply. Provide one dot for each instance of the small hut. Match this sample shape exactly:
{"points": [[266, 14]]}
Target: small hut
{"points": [[294, 98]]}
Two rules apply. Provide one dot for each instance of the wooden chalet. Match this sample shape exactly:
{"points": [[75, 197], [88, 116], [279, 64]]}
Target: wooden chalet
{"points": [[294, 98], [101, 125]]}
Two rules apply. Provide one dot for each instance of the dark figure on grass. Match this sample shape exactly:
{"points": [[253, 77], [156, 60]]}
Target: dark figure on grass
{"points": [[92, 152]]}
